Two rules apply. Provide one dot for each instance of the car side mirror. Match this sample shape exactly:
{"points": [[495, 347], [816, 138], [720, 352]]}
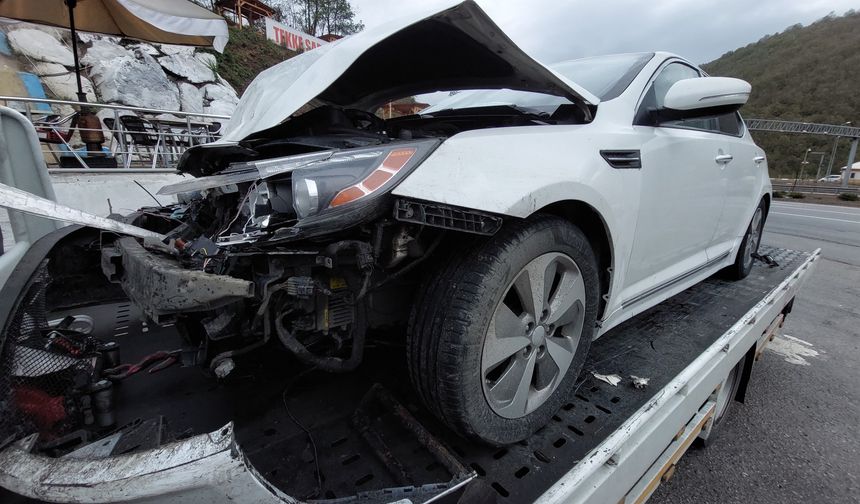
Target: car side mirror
{"points": [[703, 97]]}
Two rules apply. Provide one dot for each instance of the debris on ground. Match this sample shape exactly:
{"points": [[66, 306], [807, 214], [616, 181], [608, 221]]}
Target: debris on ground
{"points": [[639, 382], [612, 379]]}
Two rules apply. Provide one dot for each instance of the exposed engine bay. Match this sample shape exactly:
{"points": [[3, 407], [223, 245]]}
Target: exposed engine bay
{"points": [[306, 247]]}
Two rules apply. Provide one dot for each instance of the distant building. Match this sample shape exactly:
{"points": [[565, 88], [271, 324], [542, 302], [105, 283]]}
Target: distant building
{"points": [[243, 12], [401, 107], [855, 171]]}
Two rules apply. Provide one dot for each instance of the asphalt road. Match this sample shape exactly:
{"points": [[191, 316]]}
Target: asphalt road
{"points": [[796, 439]]}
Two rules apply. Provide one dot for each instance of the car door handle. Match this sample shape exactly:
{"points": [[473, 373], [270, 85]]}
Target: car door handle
{"points": [[758, 159], [723, 158]]}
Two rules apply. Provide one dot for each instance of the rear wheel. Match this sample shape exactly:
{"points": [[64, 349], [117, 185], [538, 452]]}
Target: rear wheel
{"points": [[498, 338], [749, 246], [725, 397]]}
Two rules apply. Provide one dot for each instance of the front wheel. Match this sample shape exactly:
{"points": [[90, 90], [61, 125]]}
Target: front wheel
{"points": [[498, 338], [749, 246]]}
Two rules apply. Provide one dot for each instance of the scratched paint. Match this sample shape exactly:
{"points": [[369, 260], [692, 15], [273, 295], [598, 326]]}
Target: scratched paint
{"points": [[793, 350]]}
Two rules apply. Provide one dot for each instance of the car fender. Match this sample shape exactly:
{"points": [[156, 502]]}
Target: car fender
{"points": [[520, 170]]}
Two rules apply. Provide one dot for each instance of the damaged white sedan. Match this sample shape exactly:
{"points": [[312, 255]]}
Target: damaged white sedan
{"points": [[477, 247]]}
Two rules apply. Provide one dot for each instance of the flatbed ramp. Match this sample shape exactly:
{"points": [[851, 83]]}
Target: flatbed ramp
{"points": [[363, 437]]}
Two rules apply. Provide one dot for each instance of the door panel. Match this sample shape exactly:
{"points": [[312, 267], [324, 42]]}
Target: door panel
{"points": [[680, 205], [742, 179]]}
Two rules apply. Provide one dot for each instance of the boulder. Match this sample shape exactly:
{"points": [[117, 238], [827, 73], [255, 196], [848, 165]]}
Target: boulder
{"points": [[50, 30], [221, 92], [220, 107], [86, 38], [102, 50], [147, 48], [171, 49], [40, 46], [136, 79], [223, 82], [207, 59], [191, 97], [65, 87], [41, 69], [188, 67]]}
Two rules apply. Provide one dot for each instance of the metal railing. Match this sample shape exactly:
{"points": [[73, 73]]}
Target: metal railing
{"points": [[134, 137], [823, 188]]}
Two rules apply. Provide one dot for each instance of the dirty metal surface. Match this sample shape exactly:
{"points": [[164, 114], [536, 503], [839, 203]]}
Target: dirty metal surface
{"points": [[298, 428]]}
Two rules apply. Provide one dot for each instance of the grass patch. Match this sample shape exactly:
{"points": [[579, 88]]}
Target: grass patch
{"points": [[796, 195], [247, 54], [848, 196]]}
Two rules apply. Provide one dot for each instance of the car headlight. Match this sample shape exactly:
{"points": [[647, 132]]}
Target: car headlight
{"points": [[354, 176]]}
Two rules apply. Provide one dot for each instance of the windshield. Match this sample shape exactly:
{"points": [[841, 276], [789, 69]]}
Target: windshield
{"points": [[604, 76]]}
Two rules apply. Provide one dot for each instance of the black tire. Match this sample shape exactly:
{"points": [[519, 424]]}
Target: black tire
{"points": [[744, 259], [451, 318], [730, 389]]}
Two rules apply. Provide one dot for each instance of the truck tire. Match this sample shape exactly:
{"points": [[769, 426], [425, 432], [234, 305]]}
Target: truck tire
{"points": [[749, 245], [725, 399], [498, 337]]}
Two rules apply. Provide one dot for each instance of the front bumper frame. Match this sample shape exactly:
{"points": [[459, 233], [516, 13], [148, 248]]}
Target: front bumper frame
{"points": [[162, 287]]}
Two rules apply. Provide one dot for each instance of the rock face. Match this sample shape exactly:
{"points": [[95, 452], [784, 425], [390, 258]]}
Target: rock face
{"points": [[176, 49], [42, 68], [127, 72], [65, 87], [191, 97], [221, 99], [131, 78], [40, 46], [189, 67]]}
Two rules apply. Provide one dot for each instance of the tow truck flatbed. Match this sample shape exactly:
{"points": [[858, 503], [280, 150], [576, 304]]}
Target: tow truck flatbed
{"points": [[318, 439]]}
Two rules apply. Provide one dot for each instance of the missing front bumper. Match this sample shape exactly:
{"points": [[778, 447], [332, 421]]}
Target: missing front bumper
{"points": [[162, 287]]}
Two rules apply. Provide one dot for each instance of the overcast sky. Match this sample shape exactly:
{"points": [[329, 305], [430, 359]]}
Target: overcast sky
{"points": [[701, 31]]}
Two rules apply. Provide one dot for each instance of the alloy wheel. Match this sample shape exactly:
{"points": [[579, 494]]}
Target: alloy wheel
{"points": [[533, 335]]}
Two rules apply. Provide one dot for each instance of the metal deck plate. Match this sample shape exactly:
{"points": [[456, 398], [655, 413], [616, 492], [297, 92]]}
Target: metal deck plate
{"points": [[656, 345]]}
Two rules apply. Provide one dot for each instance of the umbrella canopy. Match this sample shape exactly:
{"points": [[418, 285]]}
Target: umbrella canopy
{"points": [[162, 21]]}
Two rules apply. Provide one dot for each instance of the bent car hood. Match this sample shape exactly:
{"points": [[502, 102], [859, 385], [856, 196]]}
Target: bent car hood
{"points": [[453, 47]]}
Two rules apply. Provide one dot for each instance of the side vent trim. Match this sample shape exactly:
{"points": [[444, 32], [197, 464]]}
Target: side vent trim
{"points": [[622, 159]]}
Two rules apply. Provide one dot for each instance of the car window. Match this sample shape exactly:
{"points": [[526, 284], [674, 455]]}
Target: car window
{"points": [[729, 124], [606, 77]]}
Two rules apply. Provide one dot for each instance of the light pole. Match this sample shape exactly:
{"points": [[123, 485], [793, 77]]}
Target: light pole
{"points": [[800, 169], [820, 162]]}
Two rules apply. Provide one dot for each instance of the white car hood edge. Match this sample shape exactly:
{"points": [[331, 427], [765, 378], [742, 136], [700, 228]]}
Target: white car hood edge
{"points": [[456, 46]]}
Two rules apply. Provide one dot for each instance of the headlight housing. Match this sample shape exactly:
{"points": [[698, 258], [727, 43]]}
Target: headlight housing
{"points": [[354, 176]]}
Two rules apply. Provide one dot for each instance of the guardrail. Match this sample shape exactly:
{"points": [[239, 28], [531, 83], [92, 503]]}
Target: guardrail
{"points": [[134, 137], [815, 188]]}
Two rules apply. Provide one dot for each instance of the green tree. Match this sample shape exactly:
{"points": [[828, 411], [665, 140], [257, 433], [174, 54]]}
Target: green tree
{"points": [[320, 17]]}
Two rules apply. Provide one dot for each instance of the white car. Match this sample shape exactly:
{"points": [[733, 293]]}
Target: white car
{"points": [[494, 235], [831, 178]]}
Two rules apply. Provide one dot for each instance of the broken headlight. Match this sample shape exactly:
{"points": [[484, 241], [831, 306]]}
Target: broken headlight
{"points": [[354, 175]]}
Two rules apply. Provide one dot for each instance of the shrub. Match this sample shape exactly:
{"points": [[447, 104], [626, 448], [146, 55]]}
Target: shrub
{"points": [[778, 194], [796, 195], [848, 196]]}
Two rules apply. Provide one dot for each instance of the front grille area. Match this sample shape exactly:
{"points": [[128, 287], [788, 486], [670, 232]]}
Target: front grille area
{"points": [[41, 369]]}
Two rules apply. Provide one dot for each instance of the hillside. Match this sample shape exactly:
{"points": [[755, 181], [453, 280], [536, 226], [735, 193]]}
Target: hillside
{"points": [[806, 73], [248, 53]]}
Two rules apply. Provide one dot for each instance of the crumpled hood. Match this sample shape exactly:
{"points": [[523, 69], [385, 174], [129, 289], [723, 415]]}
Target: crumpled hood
{"points": [[456, 46]]}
